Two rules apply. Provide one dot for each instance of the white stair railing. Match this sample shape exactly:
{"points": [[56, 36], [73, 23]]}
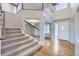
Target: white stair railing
{"points": [[30, 30], [2, 21]]}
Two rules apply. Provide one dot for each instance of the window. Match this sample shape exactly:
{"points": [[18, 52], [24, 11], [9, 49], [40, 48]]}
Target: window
{"points": [[61, 6], [47, 28], [9, 8], [62, 27], [13, 9], [19, 7]]}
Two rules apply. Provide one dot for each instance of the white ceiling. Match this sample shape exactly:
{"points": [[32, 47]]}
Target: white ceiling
{"points": [[32, 6]]}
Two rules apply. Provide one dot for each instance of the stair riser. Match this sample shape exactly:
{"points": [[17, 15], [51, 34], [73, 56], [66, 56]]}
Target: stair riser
{"points": [[9, 33], [13, 41], [33, 51], [14, 47], [14, 36], [11, 46], [30, 50], [14, 54], [12, 30], [8, 29]]}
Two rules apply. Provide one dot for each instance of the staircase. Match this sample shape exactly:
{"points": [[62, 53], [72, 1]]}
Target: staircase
{"points": [[17, 44]]}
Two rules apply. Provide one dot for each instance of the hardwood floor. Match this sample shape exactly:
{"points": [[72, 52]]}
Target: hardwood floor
{"points": [[65, 49]]}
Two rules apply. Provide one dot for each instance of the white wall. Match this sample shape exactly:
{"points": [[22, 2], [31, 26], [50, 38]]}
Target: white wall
{"points": [[63, 33], [77, 34], [31, 13], [72, 31], [8, 8], [62, 14], [32, 6], [69, 30], [67, 13], [10, 20], [10, 17]]}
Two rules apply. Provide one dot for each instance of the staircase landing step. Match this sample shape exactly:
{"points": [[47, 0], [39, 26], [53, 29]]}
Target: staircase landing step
{"points": [[18, 49], [30, 51]]}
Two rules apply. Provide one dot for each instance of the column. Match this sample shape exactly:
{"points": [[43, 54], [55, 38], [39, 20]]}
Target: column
{"points": [[52, 34], [52, 31], [42, 34]]}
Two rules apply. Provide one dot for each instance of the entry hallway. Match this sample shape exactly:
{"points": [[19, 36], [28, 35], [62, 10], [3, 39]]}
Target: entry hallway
{"points": [[65, 49]]}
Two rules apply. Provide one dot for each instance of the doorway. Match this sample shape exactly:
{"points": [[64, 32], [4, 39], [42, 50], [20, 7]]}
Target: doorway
{"points": [[47, 32]]}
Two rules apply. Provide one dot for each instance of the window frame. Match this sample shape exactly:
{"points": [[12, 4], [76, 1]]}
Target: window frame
{"points": [[61, 6]]}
